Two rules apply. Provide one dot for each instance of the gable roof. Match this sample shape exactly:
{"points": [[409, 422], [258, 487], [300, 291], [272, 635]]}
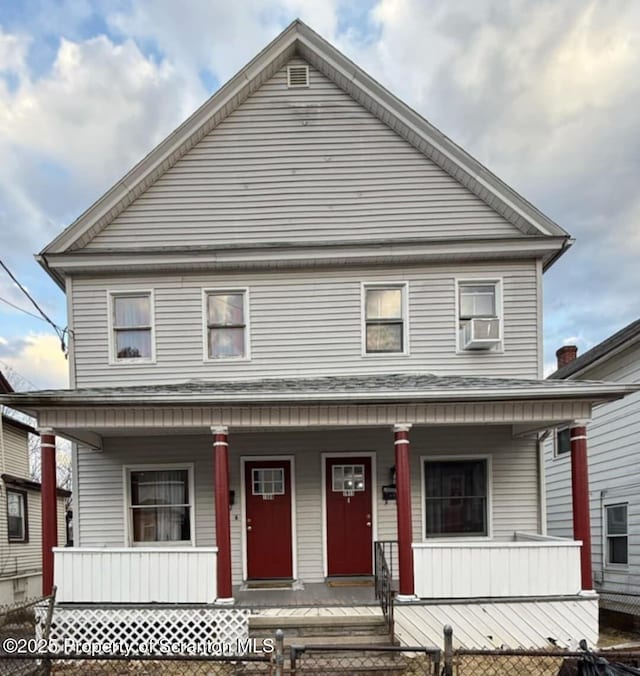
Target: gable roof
{"points": [[5, 385], [298, 39], [624, 338]]}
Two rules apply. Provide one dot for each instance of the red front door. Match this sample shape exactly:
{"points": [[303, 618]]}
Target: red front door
{"points": [[268, 519], [349, 522]]}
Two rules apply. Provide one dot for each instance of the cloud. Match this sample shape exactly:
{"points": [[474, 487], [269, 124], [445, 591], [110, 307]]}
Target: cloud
{"points": [[66, 136], [36, 358]]}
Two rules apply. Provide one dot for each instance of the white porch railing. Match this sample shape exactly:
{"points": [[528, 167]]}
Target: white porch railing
{"points": [[530, 565], [135, 574]]}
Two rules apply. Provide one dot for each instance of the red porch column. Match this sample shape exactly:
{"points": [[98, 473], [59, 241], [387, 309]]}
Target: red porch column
{"points": [[223, 526], [403, 509], [48, 506], [580, 499]]}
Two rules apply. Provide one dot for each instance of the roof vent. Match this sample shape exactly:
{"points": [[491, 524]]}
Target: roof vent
{"points": [[297, 76]]}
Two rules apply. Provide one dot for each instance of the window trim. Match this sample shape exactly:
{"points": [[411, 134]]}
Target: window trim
{"points": [[488, 458], [128, 361], [404, 288], [499, 286], [205, 324], [25, 507], [605, 536], [128, 514]]}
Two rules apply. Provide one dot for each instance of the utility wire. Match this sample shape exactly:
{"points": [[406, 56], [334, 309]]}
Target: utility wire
{"points": [[16, 307], [59, 331]]}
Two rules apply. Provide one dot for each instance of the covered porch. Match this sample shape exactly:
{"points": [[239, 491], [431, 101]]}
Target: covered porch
{"points": [[292, 443]]}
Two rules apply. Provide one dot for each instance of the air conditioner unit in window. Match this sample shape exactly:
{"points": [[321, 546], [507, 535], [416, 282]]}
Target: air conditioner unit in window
{"points": [[480, 334]]}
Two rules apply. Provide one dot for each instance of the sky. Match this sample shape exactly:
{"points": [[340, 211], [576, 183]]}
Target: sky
{"points": [[546, 94]]}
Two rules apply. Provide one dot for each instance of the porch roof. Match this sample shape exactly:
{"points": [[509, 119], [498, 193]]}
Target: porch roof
{"points": [[89, 414], [378, 388]]}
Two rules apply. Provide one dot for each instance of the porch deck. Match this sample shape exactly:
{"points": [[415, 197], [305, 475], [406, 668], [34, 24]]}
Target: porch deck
{"points": [[309, 596]]}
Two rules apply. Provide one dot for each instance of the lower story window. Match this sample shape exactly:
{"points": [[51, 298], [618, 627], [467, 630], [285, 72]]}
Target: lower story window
{"points": [[160, 505], [456, 498], [617, 535], [17, 529]]}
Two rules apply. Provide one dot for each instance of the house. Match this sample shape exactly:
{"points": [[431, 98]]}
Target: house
{"points": [[614, 456], [20, 512], [304, 324]]}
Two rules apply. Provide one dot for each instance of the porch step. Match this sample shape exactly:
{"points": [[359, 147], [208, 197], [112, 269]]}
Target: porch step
{"points": [[323, 627], [334, 631]]}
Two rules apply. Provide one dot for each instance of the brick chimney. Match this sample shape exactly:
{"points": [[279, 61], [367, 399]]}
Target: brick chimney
{"points": [[566, 354]]}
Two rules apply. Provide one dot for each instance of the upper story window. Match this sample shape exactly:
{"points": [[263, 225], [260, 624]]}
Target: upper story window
{"points": [[479, 314], [160, 504], [456, 498], [17, 527], [132, 326], [617, 534], [226, 324], [385, 321]]}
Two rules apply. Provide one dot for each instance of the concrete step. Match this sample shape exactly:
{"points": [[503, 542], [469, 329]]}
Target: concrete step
{"points": [[261, 626]]}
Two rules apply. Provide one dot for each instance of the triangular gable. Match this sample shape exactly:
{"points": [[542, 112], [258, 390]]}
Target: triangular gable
{"points": [[302, 166], [298, 39]]}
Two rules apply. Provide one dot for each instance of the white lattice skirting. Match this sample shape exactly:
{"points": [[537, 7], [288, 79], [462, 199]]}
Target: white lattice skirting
{"points": [[205, 630]]}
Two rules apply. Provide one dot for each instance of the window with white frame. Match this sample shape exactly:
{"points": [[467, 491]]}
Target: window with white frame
{"points": [[456, 498], [226, 324], [17, 525], [562, 441], [617, 534], [160, 505], [384, 318], [132, 326], [479, 314]]}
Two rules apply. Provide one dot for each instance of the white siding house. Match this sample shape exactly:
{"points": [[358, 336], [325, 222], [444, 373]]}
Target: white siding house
{"points": [[20, 513], [614, 457], [305, 323]]}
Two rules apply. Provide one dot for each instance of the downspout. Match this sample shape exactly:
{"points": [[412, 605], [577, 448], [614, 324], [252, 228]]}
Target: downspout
{"points": [[542, 488], [603, 539], [2, 459]]}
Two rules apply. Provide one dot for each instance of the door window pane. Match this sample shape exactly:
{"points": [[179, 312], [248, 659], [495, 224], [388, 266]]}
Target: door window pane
{"points": [[348, 478], [268, 481]]}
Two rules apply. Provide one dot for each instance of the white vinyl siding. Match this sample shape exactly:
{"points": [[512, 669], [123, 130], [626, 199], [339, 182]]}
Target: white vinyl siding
{"points": [[15, 443], [614, 453], [308, 324], [102, 513], [301, 165], [18, 558]]}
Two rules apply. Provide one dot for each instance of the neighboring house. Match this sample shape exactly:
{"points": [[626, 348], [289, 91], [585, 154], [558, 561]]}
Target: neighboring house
{"points": [[20, 512], [304, 323], [614, 459]]}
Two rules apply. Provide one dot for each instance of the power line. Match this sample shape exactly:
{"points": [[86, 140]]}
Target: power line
{"points": [[60, 332], [16, 307]]}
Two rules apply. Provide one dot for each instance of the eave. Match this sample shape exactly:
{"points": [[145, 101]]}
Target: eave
{"points": [[288, 255]]}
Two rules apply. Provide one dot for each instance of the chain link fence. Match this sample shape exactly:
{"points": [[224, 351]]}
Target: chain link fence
{"points": [[25, 652], [18, 623]]}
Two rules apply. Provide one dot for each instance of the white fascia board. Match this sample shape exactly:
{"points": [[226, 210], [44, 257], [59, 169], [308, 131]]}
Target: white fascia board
{"points": [[84, 261]]}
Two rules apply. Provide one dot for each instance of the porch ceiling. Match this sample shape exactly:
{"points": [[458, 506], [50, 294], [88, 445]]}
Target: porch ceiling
{"points": [[87, 414]]}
